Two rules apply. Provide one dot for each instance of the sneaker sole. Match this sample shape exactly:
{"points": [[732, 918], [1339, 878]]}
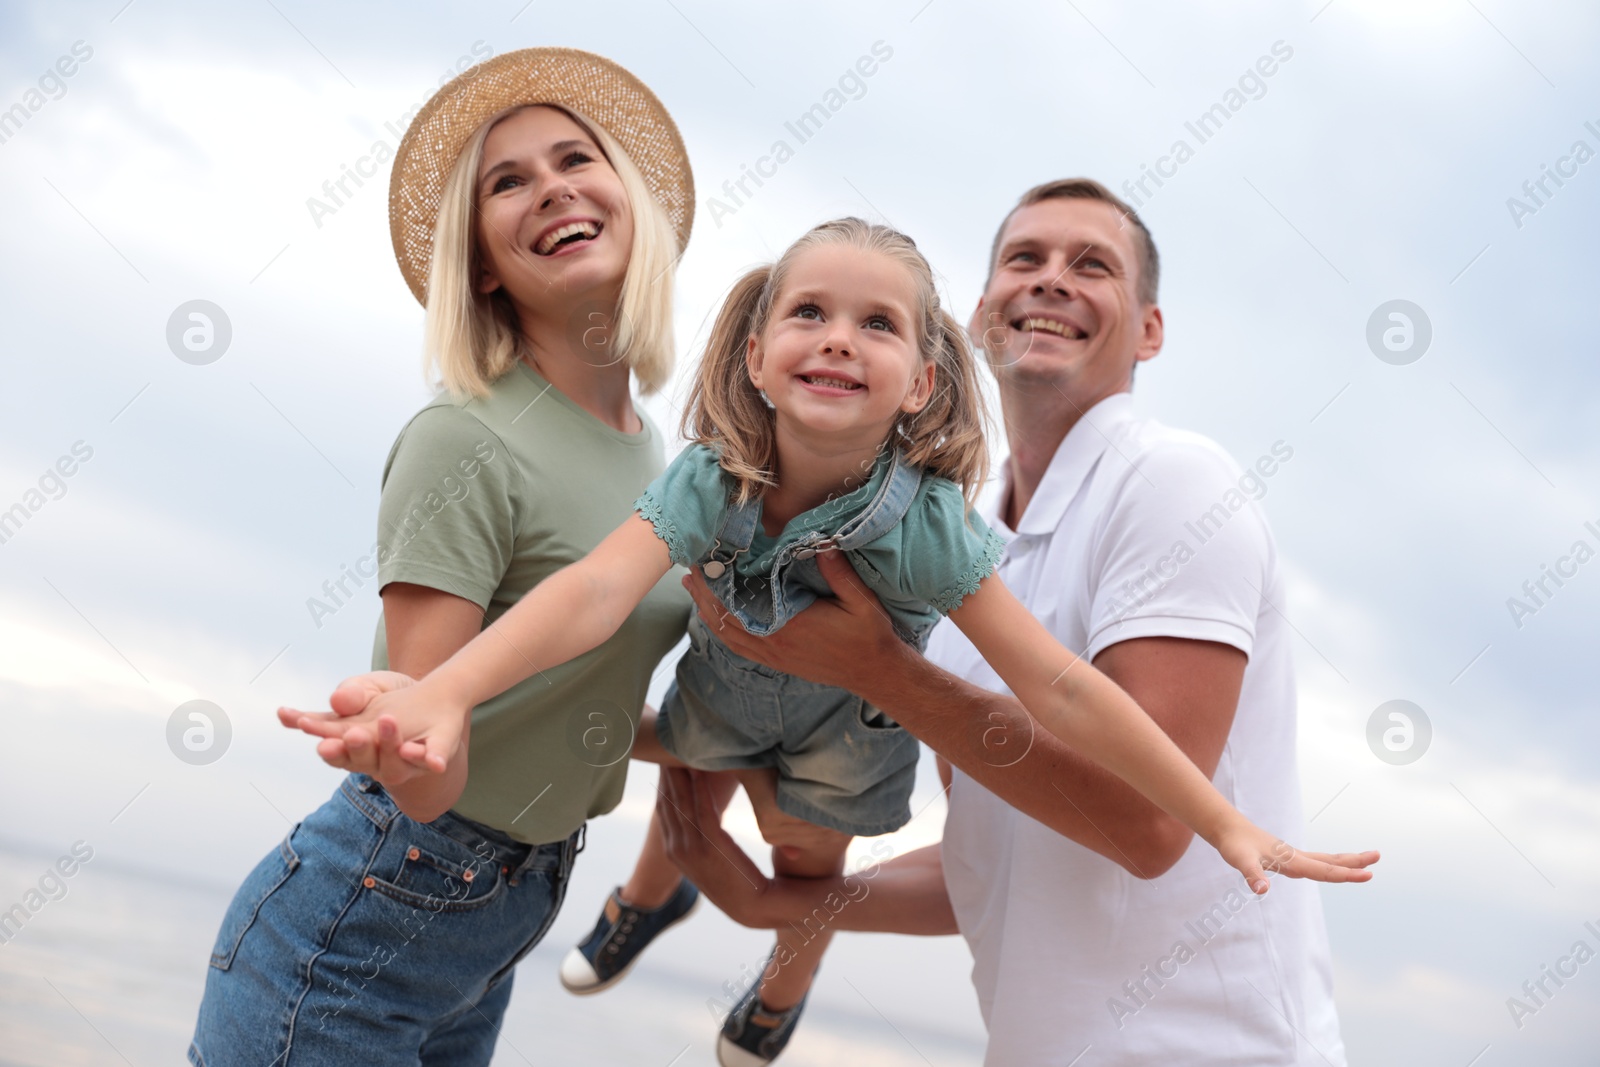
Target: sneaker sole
{"points": [[731, 1055], [601, 987]]}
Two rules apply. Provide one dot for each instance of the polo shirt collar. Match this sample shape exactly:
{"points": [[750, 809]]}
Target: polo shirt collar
{"points": [[1075, 457]]}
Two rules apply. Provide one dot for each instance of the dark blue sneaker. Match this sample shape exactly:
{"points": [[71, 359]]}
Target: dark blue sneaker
{"points": [[604, 958], [752, 1035]]}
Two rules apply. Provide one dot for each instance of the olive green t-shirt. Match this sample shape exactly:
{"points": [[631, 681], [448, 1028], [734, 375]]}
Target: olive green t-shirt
{"points": [[484, 498]]}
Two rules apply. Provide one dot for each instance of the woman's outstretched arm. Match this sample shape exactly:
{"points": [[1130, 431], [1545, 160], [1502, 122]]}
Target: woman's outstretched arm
{"points": [[574, 610]]}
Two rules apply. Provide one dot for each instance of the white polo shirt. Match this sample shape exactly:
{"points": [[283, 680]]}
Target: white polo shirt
{"points": [[1138, 530]]}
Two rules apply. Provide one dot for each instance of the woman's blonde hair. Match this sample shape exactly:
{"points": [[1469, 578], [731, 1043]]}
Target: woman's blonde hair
{"points": [[471, 339], [726, 411]]}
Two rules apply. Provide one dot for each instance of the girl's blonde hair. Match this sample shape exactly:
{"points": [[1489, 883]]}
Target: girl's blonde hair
{"points": [[471, 339], [726, 411]]}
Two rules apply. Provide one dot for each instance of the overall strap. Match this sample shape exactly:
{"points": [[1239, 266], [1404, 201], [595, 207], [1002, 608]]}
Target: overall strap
{"points": [[894, 498], [737, 530]]}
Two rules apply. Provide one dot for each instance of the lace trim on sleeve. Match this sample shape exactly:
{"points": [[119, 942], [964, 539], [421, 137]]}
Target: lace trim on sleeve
{"points": [[650, 508], [981, 568]]}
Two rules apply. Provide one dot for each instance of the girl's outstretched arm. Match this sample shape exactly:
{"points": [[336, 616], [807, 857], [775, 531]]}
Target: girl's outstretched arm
{"points": [[1088, 711], [574, 610]]}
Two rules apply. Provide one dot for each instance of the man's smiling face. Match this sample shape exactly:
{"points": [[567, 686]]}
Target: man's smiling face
{"points": [[1062, 303]]}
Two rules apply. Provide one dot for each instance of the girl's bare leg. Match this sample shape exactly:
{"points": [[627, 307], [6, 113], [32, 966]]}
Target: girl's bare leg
{"points": [[655, 877], [801, 944]]}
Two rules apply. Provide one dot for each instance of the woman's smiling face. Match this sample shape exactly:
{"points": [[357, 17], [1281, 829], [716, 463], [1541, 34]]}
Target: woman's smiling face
{"points": [[553, 220]]}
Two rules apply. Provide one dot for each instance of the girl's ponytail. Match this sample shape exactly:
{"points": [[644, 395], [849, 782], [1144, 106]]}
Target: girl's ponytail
{"points": [[725, 410], [948, 436]]}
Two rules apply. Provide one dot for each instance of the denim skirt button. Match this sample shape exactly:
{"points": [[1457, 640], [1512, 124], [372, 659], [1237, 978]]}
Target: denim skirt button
{"points": [[714, 569], [413, 853], [369, 881]]}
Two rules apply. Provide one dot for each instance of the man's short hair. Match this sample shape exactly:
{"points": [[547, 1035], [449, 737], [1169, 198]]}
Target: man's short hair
{"points": [[1089, 189]]}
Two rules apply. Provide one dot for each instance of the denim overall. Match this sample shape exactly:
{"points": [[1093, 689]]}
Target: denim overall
{"points": [[842, 763]]}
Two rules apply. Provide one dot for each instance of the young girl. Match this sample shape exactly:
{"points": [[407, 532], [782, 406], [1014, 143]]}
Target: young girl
{"points": [[836, 409]]}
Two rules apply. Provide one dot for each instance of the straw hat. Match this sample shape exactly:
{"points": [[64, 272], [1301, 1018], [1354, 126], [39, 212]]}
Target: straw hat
{"points": [[591, 85]]}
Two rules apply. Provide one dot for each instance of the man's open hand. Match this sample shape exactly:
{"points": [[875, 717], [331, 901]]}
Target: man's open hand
{"points": [[705, 852], [835, 641]]}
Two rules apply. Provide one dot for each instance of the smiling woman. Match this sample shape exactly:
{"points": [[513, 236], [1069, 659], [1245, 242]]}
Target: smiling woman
{"points": [[472, 341], [537, 208]]}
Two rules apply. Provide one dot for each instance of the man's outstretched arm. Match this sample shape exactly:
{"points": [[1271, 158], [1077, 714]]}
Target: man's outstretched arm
{"points": [[901, 895]]}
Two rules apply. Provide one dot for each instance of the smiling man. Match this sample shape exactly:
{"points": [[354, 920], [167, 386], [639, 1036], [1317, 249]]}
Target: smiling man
{"points": [[1100, 936]]}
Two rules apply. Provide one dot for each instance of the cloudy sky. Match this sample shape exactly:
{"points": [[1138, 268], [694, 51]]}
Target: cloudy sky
{"points": [[1400, 150]]}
